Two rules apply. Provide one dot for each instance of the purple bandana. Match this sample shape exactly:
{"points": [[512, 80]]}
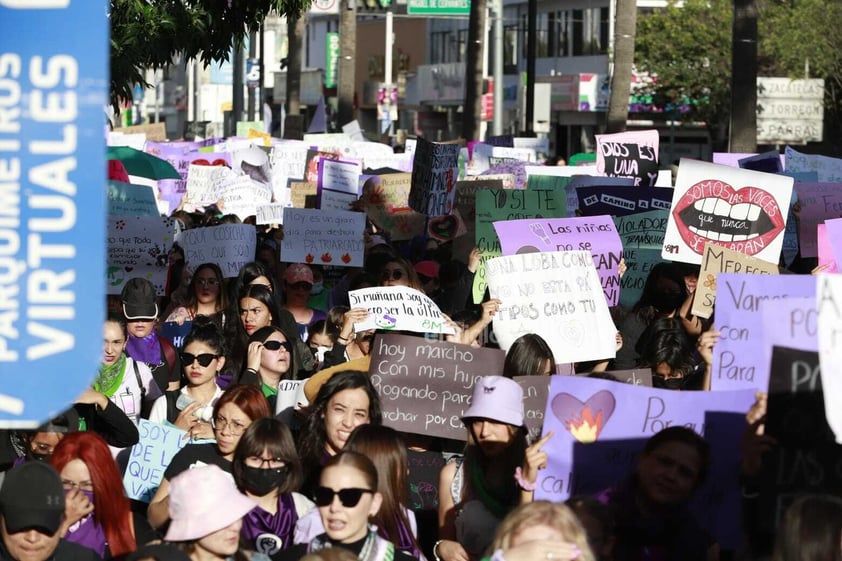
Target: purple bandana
{"points": [[271, 533], [146, 349], [87, 532]]}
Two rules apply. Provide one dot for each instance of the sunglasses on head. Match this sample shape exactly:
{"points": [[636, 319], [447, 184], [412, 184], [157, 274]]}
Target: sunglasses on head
{"points": [[394, 274], [323, 496], [275, 345], [204, 359]]}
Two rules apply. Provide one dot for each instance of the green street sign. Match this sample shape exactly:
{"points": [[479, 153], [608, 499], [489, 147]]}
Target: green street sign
{"points": [[331, 59], [438, 7]]}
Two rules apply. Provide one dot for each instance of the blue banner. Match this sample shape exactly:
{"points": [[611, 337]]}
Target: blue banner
{"points": [[53, 93]]}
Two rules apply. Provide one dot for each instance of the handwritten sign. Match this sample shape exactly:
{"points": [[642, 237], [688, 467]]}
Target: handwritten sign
{"points": [[175, 333], [150, 457], [398, 308], [828, 169], [424, 385], [596, 234], [126, 199], [391, 190], [740, 209], [272, 213], [556, 295], [621, 201], [137, 247], [339, 184], [229, 245], [718, 259], [424, 468], [834, 238], [819, 202], [600, 427], [435, 170], [485, 154], [241, 195], [535, 392], [642, 236], [629, 154], [323, 237], [829, 305], [204, 183], [737, 361]]}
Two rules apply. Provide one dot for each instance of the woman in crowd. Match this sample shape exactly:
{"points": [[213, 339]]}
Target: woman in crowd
{"points": [[235, 410], [269, 361], [203, 358], [651, 509], [298, 282], [347, 499], [268, 471], [205, 296], [321, 339], [811, 530], [499, 471], [97, 510], [343, 402], [257, 309], [529, 355], [397, 271], [350, 345], [207, 513], [667, 349], [541, 530]]}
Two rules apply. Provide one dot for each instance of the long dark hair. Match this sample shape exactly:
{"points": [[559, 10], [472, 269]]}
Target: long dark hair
{"points": [[265, 332], [236, 332], [273, 436], [811, 530], [476, 466], [221, 298], [527, 356]]}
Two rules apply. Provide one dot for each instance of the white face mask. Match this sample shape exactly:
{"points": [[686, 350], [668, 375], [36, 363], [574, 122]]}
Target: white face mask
{"points": [[320, 353]]}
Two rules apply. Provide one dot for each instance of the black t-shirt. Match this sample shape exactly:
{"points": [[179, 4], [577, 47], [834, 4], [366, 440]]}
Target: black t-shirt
{"points": [[194, 455], [300, 550]]}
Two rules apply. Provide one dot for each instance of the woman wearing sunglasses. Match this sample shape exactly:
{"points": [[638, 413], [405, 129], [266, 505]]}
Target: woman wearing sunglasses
{"points": [[269, 361], [205, 296], [347, 498], [235, 410], [397, 271], [202, 359]]}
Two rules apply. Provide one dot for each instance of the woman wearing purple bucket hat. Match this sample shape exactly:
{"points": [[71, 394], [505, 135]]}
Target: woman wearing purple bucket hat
{"points": [[498, 471]]}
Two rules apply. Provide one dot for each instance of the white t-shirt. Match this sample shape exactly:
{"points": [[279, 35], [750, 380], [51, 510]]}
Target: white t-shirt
{"points": [[127, 397], [159, 408]]}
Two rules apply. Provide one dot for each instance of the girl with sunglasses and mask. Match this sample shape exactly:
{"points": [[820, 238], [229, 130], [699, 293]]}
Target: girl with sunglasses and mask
{"points": [[269, 361], [202, 358], [267, 470], [205, 296], [347, 498]]}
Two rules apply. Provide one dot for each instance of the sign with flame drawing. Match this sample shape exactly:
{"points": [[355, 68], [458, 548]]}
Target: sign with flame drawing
{"points": [[600, 426]]}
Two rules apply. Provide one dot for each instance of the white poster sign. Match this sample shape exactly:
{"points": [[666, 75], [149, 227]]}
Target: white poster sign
{"points": [[241, 195], [398, 308], [138, 247], [323, 237], [228, 245], [829, 305]]}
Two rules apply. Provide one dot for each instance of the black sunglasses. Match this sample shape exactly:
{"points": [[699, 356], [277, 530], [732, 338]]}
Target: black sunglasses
{"points": [[394, 274], [275, 345], [349, 497], [204, 359]]}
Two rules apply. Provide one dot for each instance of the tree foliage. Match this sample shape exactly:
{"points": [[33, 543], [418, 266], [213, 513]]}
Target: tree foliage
{"points": [[149, 33]]}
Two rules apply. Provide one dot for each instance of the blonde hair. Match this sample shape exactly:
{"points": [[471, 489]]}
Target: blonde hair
{"points": [[554, 515]]}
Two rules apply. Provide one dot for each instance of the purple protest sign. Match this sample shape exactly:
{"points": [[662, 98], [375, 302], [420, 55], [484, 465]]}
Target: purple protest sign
{"points": [[796, 325], [834, 236], [596, 234], [600, 426], [825, 251], [819, 202], [732, 159], [738, 359]]}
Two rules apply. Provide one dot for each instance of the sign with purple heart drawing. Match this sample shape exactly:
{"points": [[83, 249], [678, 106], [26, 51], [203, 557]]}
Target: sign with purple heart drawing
{"points": [[600, 426]]}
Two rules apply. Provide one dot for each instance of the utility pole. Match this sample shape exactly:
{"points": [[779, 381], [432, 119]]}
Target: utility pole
{"points": [[294, 122], [347, 60], [625, 29], [477, 34], [497, 122], [237, 103], [252, 91], [531, 53], [743, 137]]}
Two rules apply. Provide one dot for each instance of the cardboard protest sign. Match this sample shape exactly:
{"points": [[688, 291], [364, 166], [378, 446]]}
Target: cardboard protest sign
{"points": [[718, 259], [642, 236], [271, 213], [596, 234], [155, 131], [827, 258], [789, 249], [228, 245], [535, 392], [446, 228], [829, 307], [829, 169], [737, 363], [138, 247], [580, 181], [600, 426], [150, 457], [241, 195], [435, 169], [323, 237], [126, 199], [739, 209], [175, 333], [507, 204], [339, 184], [398, 308], [819, 202], [426, 385], [629, 154], [621, 201], [303, 194], [556, 295]]}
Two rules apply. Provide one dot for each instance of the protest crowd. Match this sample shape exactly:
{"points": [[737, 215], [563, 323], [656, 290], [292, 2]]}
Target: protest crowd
{"points": [[330, 349]]}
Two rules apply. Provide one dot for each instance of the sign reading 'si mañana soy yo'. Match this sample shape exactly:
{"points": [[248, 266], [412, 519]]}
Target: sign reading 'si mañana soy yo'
{"points": [[53, 93]]}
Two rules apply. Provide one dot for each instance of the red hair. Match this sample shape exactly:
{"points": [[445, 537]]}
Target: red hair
{"points": [[249, 398], [111, 507]]}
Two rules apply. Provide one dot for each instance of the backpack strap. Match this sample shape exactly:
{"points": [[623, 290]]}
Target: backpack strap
{"points": [[139, 381], [169, 352], [172, 400]]}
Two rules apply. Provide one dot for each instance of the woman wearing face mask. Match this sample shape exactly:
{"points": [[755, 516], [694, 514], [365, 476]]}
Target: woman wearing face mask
{"points": [[267, 470], [321, 340], [270, 360], [97, 513], [347, 498], [667, 349]]}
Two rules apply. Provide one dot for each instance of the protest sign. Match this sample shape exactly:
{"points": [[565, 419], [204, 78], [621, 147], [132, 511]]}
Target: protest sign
{"points": [[827, 259], [385, 198], [485, 154], [596, 234], [288, 393], [175, 333], [424, 468], [435, 169], [204, 184], [241, 195], [621, 201], [834, 238], [717, 259], [288, 160], [535, 392], [789, 322], [768, 162], [739, 209], [737, 362], [819, 202], [138, 247], [391, 190], [829, 170], [600, 426], [446, 228], [642, 236], [579, 181], [323, 237], [339, 184], [150, 457], [635, 376], [556, 295], [629, 154], [228, 245], [126, 199], [398, 308], [732, 159], [155, 131], [426, 385], [272, 213], [303, 194], [829, 308], [789, 249]]}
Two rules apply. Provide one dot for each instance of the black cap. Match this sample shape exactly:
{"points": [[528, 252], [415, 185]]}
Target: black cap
{"points": [[32, 497], [138, 299]]}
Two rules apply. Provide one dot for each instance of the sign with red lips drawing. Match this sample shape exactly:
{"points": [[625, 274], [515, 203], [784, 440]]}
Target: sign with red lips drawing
{"points": [[739, 209]]}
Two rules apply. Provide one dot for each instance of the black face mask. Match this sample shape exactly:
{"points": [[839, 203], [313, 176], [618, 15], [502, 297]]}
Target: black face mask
{"points": [[672, 384], [39, 457], [260, 482], [666, 302]]}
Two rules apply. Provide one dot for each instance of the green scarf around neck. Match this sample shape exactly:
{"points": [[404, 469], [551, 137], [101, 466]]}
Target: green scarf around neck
{"points": [[110, 377]]}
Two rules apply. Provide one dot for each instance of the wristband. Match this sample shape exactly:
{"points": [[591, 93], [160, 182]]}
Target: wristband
{"points": [[436, 550], [523, 483], [343, 340]]}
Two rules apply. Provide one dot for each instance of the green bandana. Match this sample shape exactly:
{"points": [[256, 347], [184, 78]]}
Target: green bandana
{"points": [[110, 377], [268, 391]]}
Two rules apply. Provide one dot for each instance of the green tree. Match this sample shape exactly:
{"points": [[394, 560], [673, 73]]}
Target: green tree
{"points": [[148, 33]]}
